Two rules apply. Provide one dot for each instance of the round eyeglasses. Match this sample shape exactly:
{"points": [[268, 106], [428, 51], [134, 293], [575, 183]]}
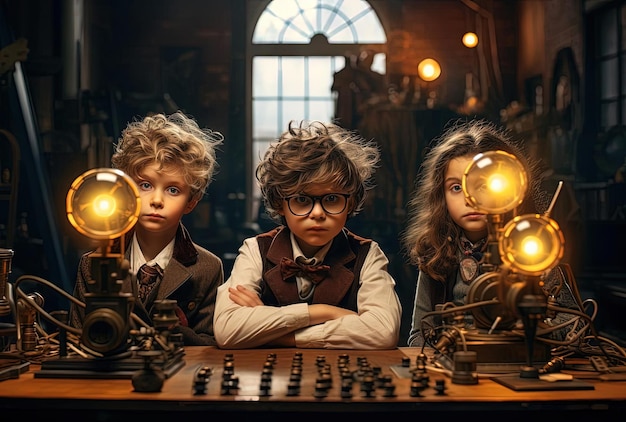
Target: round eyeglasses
{"points": [[332, 203]]}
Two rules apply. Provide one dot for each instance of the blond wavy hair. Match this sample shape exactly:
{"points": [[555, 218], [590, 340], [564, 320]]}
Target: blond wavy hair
{"points": [[169, 140]]}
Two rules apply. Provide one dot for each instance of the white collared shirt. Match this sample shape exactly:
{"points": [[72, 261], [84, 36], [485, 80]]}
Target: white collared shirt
{"points": [[137, 259]]}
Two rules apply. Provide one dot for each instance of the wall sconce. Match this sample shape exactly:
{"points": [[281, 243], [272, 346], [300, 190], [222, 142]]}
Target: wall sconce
{"points": [[429, 70], [470, 40]]}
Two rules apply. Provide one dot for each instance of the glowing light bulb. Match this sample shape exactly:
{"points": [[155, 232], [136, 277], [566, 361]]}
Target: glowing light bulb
{"points": [[429, 70], [103, 203], [494, 182], [497, 183], [104, 206], [531, 246], [531, 243], [470, 40]]}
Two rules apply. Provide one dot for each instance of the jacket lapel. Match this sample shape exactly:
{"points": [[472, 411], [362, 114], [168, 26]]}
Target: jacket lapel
{"points": [[174, 275], [176, 271]]}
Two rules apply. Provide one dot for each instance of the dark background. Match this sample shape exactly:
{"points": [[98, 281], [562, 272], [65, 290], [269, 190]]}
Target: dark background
{"points": [[134, 57]]}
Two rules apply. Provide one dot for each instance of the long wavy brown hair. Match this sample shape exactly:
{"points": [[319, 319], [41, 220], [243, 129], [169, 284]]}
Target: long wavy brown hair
{"points": [[429, 239]]}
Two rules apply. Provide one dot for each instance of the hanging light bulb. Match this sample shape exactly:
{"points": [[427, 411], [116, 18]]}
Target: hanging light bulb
{"points": [[429, 70], [470, 40]]}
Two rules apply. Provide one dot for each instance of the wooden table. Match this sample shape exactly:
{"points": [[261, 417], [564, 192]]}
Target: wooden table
{"points": [[29, 396]]}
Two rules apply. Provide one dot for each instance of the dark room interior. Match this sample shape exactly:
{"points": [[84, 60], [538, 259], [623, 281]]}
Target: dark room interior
{"points": [[552, 72], [89, 68]]}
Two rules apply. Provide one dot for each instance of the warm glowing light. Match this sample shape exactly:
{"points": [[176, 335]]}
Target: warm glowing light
{"points": [[103, 203], [470, 40], [104, 206], [429, 70], [495, 182], [531, 244], [471, 102]]}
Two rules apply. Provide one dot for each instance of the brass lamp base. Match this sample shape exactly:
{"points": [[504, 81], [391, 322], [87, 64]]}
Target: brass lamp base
{"points": [[108, 368]]}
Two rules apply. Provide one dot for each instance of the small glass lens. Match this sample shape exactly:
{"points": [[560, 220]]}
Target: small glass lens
{"points": [[301, 205], [331, 203]]}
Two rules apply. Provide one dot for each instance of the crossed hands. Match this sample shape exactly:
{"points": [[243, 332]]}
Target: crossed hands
{"points": [[318, 313]]}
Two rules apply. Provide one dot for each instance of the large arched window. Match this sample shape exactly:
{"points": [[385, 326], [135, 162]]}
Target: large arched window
{"points": [[296, 48]]}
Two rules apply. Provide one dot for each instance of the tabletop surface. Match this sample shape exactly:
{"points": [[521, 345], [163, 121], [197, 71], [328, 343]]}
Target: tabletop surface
{"points": [[295, 381]]}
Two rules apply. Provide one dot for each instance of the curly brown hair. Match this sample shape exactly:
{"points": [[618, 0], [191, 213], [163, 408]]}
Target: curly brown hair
{"points": [[174, 140], [311, 153]]}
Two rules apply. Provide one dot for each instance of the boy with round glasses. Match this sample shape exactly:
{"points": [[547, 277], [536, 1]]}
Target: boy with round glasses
{"points": [[310, 282]]}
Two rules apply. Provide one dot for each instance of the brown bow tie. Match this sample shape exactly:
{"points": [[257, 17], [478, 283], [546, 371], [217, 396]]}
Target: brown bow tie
{"points": [[315, 273]]}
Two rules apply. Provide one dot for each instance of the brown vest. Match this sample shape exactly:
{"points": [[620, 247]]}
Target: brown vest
{"points": [[345, 258]]}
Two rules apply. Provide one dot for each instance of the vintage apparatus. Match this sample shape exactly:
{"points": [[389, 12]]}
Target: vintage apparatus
{"points": [[508, 303], [104, 204]]}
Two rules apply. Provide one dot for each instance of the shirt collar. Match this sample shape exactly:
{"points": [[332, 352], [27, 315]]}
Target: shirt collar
{"points": [[137, 259], [318, 258]]}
